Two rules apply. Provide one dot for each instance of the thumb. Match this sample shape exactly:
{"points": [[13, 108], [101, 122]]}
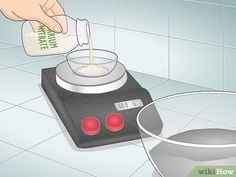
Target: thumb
{"points": [[51, 23]]}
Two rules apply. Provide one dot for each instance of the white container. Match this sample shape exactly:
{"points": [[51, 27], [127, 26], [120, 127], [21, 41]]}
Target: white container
{"points": [[38, 40]]}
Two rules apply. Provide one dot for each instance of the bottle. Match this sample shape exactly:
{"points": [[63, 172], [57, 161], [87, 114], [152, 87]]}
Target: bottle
{"points": [[38, 40]]}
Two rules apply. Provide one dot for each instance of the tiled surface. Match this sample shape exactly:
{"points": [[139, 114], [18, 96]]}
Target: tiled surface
{"points": [[193, 63], [196, 21], [229, 69], [172, 121], [185, 103], [32, 122], [8, 151], [104, 162], [149, 16], [25, 128], [199, 123], [37, 166], [222, 110], [143, 52], [145, 170], [172, 87], [41, 105], [18, 86], [101, 11]]}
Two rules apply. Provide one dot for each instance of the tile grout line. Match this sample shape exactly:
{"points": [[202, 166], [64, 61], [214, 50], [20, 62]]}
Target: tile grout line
{"points": [[40, 60], [25, 150], [62, 163], [19, 106], [209, 3], [27, 63], [22, 102], [114, 16], [12, 106], [176, 111], [138, 168], [200, 2], [10, 47], [5, 42], [215, 122], [223, 63], [136, 144], [169, 58], [196, 116], [138, 72], [10, 144], [28, 150], [51, 117], [29, 72], [161, 83]]}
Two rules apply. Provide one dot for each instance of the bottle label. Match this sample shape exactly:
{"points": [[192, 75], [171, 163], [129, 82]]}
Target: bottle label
{"points": [[47, 38]]}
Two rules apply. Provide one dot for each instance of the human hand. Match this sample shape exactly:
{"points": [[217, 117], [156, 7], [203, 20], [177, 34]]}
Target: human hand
{"points": [[41, 11]]}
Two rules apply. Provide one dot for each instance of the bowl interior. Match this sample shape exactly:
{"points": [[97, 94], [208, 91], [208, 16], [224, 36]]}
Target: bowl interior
{"points": [[92, 64], [199, 129]]}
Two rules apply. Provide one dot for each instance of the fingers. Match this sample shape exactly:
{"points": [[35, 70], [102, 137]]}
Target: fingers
{"points": [[58, 10], [48, 21], [53, 8]]}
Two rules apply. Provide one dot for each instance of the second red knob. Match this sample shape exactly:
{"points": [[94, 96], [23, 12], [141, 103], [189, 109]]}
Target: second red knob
{"points": [[114, 122]]}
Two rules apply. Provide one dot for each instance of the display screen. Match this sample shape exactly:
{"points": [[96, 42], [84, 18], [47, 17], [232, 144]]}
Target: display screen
{"points": [[126, 105]]}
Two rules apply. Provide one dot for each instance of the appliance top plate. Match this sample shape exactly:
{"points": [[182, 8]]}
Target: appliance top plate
{"points": [[65, 73]]}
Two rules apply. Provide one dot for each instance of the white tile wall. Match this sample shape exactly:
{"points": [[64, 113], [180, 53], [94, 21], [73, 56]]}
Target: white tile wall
{"points": [[196, 63], [230, 2], [230, 27], [230, 69], [10, 31], [143, 52], [101, 11], [196, 21], [149, 15], [103, 37]]}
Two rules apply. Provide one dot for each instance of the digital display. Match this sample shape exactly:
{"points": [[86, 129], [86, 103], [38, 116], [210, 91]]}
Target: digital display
{"points": [[126, 105]]}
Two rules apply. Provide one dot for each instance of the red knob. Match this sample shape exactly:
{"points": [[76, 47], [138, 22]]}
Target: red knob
{"points": [[114, 122], [91, 126]]}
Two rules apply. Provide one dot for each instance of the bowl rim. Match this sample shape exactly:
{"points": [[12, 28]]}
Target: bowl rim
{"points": [[94, 49], [193, 145], [102, 50]]}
